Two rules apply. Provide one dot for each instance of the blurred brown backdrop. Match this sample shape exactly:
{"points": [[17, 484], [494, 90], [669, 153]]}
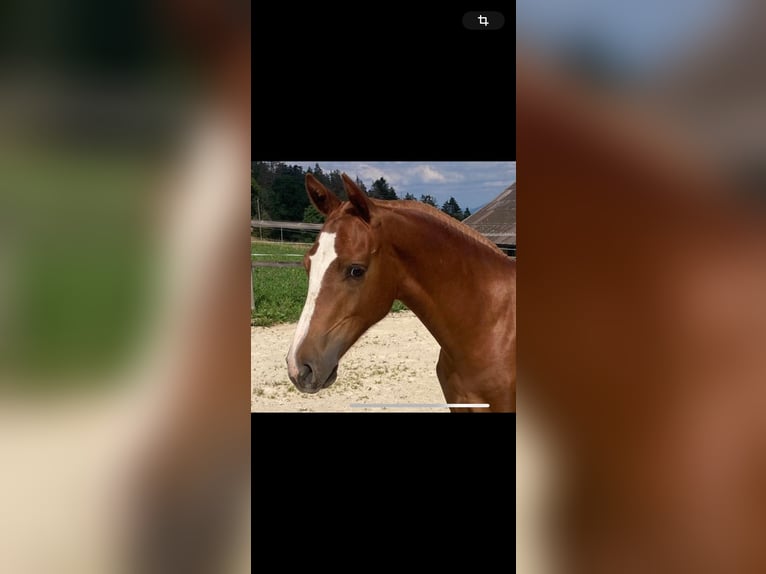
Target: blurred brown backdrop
{"points": [[642, 287]]}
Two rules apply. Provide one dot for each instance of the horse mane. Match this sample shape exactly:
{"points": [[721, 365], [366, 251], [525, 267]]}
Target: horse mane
{"points": [[442, 218]]}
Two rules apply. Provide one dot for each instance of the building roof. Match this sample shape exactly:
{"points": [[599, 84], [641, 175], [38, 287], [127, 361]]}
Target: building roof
{"points": [[497, 220]]}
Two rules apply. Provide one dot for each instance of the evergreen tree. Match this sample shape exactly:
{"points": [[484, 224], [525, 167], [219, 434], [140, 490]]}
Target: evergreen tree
{"points": [[466, 213], [452, 209], [335, 184], [380, 189], [428, 200], [263, 172], [289, 192], [409, 196], [261, 201]]}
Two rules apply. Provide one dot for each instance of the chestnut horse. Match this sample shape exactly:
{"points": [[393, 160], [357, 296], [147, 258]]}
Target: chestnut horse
{"points": [[459, 284]]}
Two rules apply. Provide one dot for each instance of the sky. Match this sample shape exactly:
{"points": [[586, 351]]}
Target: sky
{"points": [[472, 184]]}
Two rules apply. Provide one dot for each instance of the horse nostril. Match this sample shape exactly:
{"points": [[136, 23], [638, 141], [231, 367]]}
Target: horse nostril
{"points": [[305, 373]]}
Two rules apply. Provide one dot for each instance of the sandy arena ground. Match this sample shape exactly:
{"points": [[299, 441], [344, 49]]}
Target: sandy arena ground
{"points": [[394, 362]]}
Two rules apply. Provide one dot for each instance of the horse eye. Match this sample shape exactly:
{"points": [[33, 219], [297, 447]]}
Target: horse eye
{"points": [[356, 271]]}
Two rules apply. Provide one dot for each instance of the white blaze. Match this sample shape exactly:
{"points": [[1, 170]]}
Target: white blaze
{"points": [[320, 262]]}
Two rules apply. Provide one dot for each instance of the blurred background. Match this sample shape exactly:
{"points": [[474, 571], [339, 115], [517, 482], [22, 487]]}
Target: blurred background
{"points": [[640, 435], [694, 67], [124, 153]]}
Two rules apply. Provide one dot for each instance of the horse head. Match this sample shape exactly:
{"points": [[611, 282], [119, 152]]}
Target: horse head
{"points": [[352, 285]]}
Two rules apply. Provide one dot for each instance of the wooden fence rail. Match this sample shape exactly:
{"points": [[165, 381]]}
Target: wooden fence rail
{"points": [[293, 225]]}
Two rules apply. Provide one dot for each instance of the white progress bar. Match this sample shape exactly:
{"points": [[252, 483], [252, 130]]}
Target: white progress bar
{"points": [[419, 405]]}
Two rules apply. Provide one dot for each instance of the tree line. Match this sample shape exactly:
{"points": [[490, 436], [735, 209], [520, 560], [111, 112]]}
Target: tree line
{"points": [[278, 193]]}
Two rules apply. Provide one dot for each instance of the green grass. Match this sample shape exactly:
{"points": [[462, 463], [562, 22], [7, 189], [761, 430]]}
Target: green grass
{"points": [[279, 293]]}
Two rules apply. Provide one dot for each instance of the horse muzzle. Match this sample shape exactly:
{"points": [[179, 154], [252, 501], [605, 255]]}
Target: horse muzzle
{"points": [[312, 380]]}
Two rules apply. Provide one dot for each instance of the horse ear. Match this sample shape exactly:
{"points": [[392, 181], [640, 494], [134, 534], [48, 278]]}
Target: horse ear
{"points": [[322, 198], [357, 197]]}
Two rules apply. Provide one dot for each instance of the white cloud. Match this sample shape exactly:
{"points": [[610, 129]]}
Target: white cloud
{"points": [[370, 172], [428, 174]]}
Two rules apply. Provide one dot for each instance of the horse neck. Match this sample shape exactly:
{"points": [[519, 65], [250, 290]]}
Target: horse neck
{"points": [[446, 277]]}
